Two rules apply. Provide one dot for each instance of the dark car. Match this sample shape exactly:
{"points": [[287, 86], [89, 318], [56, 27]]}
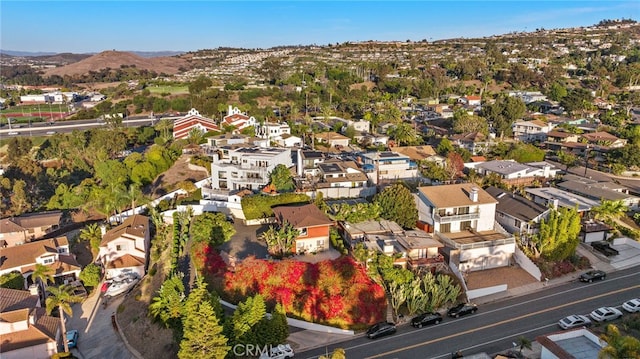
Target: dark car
{"points": [[426, 319], [592, 275], [462, 309], [381, 329]]}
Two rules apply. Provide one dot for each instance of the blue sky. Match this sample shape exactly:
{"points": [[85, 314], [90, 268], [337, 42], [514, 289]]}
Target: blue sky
{"points": [[94, 26]]}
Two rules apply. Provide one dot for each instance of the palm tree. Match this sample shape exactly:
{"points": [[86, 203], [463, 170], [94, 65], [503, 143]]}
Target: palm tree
{"points": [[524, 343], [62, 297], [609, 211], [92, 234], [42, 274]]}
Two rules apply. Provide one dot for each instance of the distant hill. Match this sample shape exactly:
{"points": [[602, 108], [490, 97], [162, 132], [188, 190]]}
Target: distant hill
{"points": [[147, 54], [116, 59], [62, 58]]}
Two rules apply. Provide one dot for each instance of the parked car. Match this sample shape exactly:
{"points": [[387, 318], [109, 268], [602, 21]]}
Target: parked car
{"points": [[632, 305], [51, 132], [278, 352], [462, 309], [592, 275], [381, 329], [574, 321], [426, 319], [72, 338], [13, 133], [605, 248], [604, 314]]}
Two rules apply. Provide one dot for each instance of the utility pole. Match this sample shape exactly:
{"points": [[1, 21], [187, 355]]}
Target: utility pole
{"points": [[586, 160]]}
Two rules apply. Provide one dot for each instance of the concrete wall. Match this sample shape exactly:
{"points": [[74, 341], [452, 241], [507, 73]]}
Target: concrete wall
{"points": [[481, 292], [525, 263], [339, 192], [302, 324], [41, 351]]}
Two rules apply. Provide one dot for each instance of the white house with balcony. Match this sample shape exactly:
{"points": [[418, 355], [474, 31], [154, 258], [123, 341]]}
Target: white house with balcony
{"points": [[381, 166], [531, 131], [272, 131], [235, 168], [463, 218], [125, 248]]}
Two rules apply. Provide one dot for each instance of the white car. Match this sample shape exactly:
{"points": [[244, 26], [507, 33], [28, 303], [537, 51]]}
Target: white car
{"points": [[574, 321], [603, 314], [13, 133], [278, 352], [51, 132], [632, 305]]}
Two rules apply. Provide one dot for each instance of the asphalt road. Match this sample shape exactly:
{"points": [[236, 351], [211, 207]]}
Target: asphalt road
{"points": [[496, 325]]}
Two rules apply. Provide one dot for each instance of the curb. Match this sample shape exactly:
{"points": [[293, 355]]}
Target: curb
{"points": [[133, 351]]}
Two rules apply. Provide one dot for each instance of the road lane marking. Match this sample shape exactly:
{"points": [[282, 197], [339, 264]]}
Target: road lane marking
{"points": [[500, 323]]}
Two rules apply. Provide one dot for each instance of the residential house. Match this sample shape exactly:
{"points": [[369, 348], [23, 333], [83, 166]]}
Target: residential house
{"points": [[307, 162], [288, 140], [332, 139], [594, 231], [125, 248], [556, 197], [575, 343], [386, 166], [272, 131], [561, 137], [312, 224], [236, 168], [599, 191], [603, 139], [193, 120], [28, 227], [512, 172], [416, 153], [463, 217], [53, 253], [517, 214], [528, 96], [531, 131], [339, 179], [414, 248], [471, 100], [228, 139], [25, 329], [474, 142], [238, 119]]}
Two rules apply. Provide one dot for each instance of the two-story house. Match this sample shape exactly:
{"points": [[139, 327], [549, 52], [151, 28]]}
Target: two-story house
{"points": [[235, 168], [512, 172], [463, 217], [53, 253], [381, 166], [193, 119], [332, 139], [474, 142], [517, 214], [25, 329], [531, 131], [125, 248], [27, 227], [311, 223], [557, 197], [340, 179]]}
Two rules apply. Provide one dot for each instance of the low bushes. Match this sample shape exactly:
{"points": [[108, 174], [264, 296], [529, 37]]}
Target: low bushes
{"points": [[259, 206]]}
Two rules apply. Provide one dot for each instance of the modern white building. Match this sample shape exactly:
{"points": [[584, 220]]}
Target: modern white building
{"points": [[531, 131], [236, 168], [272, 131], [389, 166]]}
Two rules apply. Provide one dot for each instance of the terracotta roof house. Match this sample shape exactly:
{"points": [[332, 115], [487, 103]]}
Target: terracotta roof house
{"points": [[561, 136], [53, 253], [193, 119], [28, 227], [125, 248], [415, 153], [237, 119], [312, 224], [462, 216], [471, 100], [604, 139], [332, 139], [25, 329]]}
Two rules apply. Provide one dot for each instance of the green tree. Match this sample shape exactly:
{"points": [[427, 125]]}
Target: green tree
{"points": [[465, 123], [111, 173], [338, 353], [42, 275], [278, 327], [557, 92], [523, 343], [568, 159], [168, 304], [92, 233], [91, 275], [397, 204], [618, 346], [404, 133], [247, 319], [62, 297], [203, 334], [20, 202], [212, 228], [281, 178], [557, 238], [525, 153], [12, 280], [609, 211], [280, 241], [444, 147]]}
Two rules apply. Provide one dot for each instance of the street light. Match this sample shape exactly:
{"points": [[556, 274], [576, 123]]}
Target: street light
{"points": [[586, 160]]}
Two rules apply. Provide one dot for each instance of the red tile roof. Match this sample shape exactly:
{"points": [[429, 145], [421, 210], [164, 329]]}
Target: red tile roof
{"points": [[307, 215]]}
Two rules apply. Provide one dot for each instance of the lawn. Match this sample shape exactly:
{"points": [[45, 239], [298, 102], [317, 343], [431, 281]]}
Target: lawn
{"points": [[173, 90], [35, 109]]}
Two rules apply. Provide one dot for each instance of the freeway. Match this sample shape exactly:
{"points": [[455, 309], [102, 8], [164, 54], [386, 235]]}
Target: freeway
{"points": [[46, 129], [496, 325]]}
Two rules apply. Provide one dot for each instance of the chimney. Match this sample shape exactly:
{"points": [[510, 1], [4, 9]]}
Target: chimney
{"points": [[300, 167], [33, 289], [554, 202], [473, 195], [103, 230], [230, 110]]}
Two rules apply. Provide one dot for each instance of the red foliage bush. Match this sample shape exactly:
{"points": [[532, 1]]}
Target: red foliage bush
{"points": [[208, 260], [335, 292]]}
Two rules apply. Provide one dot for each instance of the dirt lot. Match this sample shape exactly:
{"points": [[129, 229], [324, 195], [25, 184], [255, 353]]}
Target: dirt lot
{"points": [[512, 276], [180, 171]]}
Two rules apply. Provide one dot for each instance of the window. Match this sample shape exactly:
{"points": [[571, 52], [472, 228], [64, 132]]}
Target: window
{"points": [[465, 225], [48, 260], [463, 210], [303, 232], [445, 227], [518, 223], [62, 250], [119, 247], [320, 243]]}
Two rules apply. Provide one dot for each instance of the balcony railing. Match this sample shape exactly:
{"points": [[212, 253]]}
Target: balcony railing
{"points": [[416, 262], [457, 217]]}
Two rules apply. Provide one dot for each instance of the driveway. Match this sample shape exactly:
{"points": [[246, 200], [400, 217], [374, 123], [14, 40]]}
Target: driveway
{"points": [[98, 338], [245, 242]]}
